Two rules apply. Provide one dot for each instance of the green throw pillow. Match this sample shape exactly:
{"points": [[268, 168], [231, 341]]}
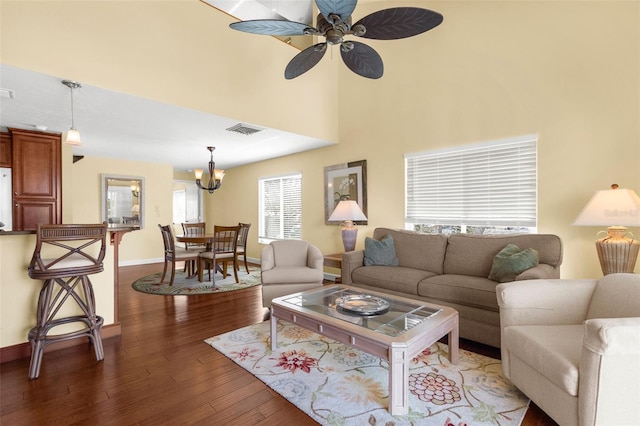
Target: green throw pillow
{"points": [[381, 253], [511, 262]]}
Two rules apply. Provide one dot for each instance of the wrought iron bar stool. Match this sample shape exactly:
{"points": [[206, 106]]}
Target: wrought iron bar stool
{"points": [[76, 252]]}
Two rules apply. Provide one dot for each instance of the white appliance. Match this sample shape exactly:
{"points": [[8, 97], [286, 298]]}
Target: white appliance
{"points": [[6, 210]]}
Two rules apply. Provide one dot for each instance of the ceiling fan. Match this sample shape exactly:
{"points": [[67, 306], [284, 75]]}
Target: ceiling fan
{"points": [[334, 23]]}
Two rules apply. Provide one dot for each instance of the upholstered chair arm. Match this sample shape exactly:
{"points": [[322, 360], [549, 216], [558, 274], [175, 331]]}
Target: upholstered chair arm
{"points": [[544, 302], [606, 336], [267, 258], [539, 272], [350, 261], [315, 259], [609, 369]]}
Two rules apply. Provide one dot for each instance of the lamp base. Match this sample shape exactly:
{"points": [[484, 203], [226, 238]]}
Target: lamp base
{"points": [[617, 253], [349, 236]]}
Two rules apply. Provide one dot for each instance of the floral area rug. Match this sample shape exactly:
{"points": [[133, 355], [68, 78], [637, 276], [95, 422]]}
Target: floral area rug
{"points": [[338, 385], [183, 285]]}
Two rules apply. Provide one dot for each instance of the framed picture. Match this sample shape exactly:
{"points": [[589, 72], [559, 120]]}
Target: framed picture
{"points": [[347, 181]]}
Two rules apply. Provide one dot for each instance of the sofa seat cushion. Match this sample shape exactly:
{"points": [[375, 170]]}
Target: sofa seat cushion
{"points": [[396, 278], [462, 289], [292, 274], [552, 350]]}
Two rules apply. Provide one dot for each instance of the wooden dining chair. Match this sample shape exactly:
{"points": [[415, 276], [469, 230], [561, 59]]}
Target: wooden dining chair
{"points": [[241, 250], [193, 228], [223, 251], [173, 254]]}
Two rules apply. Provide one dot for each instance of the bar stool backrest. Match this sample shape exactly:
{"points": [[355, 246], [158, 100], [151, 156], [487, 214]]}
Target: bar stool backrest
{"points": [[80, 250]]}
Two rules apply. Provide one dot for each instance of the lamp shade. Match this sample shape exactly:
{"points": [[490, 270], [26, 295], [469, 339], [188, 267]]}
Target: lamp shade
{"points": [[347, 210], [72, 137], [611, 207]]}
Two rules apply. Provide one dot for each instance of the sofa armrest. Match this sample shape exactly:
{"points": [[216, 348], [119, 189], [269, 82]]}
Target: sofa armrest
{"points": [[538, 272], [544, 302], [350, 261]]}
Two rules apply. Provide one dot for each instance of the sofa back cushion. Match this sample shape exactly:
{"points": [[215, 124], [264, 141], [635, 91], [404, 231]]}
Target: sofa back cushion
{"points": [[473, 255], [415, 250], [616, 296]]}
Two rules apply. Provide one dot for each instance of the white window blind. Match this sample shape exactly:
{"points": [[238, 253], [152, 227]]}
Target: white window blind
{"points": [[280, 205], [485, 184]]}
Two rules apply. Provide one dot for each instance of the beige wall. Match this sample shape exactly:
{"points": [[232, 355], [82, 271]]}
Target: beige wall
{"points": [[566, 71]]}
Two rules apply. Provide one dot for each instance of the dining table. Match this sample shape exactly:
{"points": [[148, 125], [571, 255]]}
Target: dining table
{"points": [[207, 240]]}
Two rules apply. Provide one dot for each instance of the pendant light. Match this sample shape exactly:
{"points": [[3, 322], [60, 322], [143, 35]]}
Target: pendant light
{"points": [[72, 136], [215, 175]]}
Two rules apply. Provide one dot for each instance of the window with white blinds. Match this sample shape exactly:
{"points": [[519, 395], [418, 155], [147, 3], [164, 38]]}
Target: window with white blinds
{"points": [[489, 184], [280, 208]]}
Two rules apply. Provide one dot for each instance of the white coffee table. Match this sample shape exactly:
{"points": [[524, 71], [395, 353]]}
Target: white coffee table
{"points": [[398, 335]]}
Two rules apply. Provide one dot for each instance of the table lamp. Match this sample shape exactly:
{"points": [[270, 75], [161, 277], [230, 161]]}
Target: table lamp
{"points": [[616, 208], [348, 211]]}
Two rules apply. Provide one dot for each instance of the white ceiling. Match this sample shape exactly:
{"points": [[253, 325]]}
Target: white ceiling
{"points": [[118, 125], [292, 10]]}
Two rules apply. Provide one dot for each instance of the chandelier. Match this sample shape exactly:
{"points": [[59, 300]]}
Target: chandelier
{"points": [[215, 175]]}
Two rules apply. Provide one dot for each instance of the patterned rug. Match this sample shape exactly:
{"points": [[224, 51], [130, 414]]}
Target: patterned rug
{"points": [[183, 285], [338, 385]]}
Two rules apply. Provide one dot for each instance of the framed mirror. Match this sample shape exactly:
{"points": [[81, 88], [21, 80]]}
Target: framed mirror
{"points": [[123, 201]]}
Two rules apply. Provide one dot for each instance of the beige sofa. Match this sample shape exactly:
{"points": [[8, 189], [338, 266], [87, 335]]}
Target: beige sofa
{"points": [[452, 271], [573, 347]]}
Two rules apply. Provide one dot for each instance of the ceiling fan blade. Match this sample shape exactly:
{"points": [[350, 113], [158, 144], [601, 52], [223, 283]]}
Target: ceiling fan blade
{"points": [[271, 27], [305, 60], [399, 22], [343, 8], [362, 59]]}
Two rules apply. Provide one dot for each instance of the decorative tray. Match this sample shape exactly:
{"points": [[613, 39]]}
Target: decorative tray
{"points": [[362, 304]]}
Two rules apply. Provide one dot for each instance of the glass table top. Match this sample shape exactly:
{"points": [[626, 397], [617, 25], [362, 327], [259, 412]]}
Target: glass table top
{"points": [[394, 317]]}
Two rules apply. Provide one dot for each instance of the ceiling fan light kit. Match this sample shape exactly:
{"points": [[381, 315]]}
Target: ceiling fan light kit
{"points": [[334, 23]]}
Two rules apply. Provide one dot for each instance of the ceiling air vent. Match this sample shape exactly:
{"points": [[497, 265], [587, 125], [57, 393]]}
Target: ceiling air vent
{"points": [[244, 129]]}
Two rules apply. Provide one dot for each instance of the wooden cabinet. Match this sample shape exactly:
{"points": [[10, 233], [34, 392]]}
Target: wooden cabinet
{"points": [[37, 182], [5, 150]]}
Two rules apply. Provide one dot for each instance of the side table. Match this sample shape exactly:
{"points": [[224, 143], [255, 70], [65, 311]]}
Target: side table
{"points": [[334, 260]]}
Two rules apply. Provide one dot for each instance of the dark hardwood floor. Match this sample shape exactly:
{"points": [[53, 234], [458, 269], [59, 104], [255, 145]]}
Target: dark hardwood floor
{"points": [[159, 371]]}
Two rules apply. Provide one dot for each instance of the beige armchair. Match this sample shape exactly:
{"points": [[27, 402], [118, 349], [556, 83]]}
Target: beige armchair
{"points": [[573, 346], [289, 266]]}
